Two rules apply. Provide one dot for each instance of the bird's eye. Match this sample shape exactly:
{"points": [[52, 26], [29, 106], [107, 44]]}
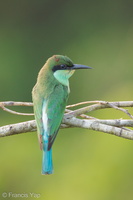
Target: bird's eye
{"points": [[63, 66]]}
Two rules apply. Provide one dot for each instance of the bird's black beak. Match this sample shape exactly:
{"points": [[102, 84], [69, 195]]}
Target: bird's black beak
{"points": [[78, 66]]}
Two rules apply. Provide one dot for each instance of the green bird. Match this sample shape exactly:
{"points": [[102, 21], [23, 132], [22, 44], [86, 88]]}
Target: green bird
{"points": [[50, 95]]}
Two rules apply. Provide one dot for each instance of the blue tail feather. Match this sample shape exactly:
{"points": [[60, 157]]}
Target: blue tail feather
{"points": [[47, 165]]}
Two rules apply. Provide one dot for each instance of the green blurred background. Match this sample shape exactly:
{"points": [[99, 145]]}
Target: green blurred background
{"points": [[87, 164]]}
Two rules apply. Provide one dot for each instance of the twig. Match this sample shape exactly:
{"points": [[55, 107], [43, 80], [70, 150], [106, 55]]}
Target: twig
{"points": [[101, 105], [82, 103], [82, 115], [13, 103], [121, 109]]}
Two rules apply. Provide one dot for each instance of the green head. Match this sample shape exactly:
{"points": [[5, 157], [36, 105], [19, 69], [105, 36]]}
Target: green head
{"points": [[63, 68]]}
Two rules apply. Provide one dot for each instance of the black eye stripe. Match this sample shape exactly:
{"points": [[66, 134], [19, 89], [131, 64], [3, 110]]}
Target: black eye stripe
{"points": [[61, 67]]}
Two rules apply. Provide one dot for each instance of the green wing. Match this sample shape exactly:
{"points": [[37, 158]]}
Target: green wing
{"points": [[55, 106], [55, 111]]}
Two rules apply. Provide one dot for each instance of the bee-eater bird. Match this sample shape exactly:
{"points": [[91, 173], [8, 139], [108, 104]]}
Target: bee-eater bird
{"points": [[50, 95]]}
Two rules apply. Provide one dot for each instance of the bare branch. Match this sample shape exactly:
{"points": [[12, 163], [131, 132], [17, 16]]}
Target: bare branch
{"points": [[82, 103], [116, 127], [22, 127], [121, 109], [13, 103], [117, 122], [16, 113], [100, 105], [107, 126], [18, 128], [97, 126]]}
